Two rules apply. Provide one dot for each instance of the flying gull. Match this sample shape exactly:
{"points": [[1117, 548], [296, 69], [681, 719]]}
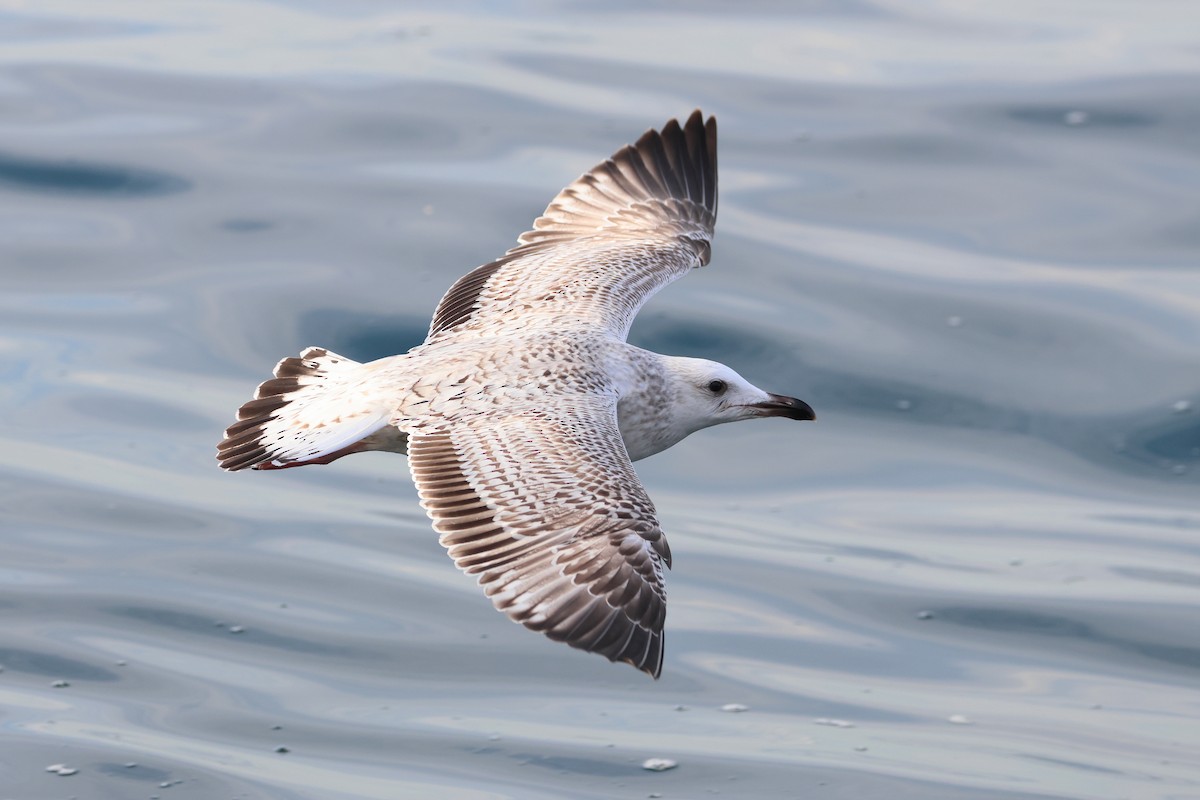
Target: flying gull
{"points": [[523, 409]]}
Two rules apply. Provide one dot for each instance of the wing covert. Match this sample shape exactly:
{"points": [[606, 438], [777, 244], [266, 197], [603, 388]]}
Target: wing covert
{"points": [[544, 506]]}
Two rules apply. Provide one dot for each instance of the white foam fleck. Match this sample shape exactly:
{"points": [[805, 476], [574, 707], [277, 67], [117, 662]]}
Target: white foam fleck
{"points": [[833, 723]]}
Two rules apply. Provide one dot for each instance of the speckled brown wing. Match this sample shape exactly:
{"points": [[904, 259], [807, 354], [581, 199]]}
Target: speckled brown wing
{"points": [[604, 245], [544, 506]]}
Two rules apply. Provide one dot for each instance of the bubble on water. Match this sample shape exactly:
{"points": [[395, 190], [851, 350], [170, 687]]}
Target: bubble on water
{"points": [[659, 764], [61, 769], [495, 737], [60, 684], [681, 708], [1181, 406], [1075, 117], [1016, 562], [860, 749], [924, 615], [236, 629], [130, 764], [833, 723], [734, 708], [904, 405], [954, 321], [122, 663], [958, 719]]}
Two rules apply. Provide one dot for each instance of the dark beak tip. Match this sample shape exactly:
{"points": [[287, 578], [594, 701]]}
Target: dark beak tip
{"points": [[790, 407]]}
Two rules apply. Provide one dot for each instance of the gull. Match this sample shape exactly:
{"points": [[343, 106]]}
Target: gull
{"points": [[523, 410]]}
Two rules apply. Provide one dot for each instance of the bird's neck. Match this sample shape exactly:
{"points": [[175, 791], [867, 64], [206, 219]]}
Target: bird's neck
{"points": [[647, 412]]}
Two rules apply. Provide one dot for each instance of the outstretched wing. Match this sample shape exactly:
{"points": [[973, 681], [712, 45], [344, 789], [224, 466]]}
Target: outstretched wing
{"points": [[544, 506], [606, 243]]}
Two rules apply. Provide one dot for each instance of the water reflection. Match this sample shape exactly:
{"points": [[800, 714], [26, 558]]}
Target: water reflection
{"points": [[77, 177], [31, 662]]}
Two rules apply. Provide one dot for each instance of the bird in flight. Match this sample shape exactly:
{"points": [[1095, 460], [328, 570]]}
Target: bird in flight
{"points": [[523, 410]]}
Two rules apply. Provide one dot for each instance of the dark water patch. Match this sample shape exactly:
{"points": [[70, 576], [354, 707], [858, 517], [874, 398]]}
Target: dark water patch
{"points": [[1164, 576], [1066, 631], [1081, 116], [1160, 114], [1072, 764], [1174, 438], [879, 554], [77, 177], [1017, 621], [51, 666], [363, 337], [138, 773], [580, 766]]}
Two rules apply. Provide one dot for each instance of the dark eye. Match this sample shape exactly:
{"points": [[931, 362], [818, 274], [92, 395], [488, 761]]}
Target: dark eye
{"points": [[717, 387]]}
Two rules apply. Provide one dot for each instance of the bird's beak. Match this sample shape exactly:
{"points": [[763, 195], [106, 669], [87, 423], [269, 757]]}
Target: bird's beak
{"points": [[777, 405]]}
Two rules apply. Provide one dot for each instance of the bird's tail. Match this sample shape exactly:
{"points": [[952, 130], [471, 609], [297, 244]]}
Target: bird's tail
{"points": [[313, 411]]}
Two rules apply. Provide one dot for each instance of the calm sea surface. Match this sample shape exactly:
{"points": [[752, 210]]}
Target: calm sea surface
{"points": [[968, 234]]}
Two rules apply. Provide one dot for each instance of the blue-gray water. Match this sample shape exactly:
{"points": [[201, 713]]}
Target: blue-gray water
{"points": [[966, 233]]}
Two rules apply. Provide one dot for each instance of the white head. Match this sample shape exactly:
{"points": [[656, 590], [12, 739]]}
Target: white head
{"points": [[709, 393], [701, 393]]}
